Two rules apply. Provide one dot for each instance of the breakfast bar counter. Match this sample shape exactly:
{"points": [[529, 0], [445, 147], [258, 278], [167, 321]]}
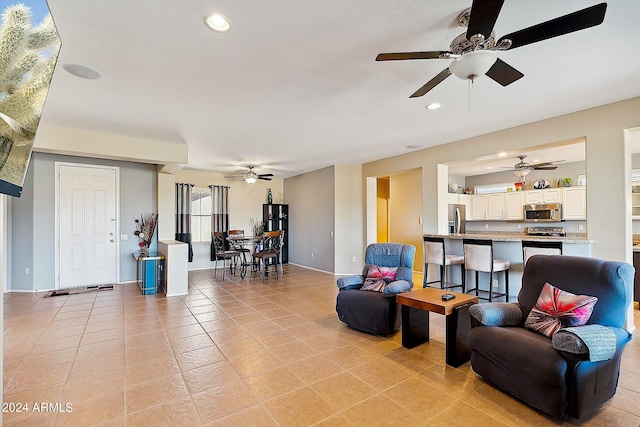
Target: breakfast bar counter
{"points": [[508, 246], [506, 236]]}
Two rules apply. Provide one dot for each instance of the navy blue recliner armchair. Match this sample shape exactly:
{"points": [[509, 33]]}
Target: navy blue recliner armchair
{"points": [[576, 370], [370, 311]]}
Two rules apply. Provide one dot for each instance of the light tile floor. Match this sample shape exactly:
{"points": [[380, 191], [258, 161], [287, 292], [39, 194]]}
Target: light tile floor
{"points": [[242, 352]]}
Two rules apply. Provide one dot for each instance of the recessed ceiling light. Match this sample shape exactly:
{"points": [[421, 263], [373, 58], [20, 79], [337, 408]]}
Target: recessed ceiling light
{"points": [[433, 106], [414, 146], [503, 154], [82, 71], [218, 22]]}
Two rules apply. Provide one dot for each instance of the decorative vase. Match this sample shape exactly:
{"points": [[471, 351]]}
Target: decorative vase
{"points": [[269, 197]]}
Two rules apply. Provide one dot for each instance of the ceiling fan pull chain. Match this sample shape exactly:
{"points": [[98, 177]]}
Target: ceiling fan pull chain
{"points": [[469, 93]]}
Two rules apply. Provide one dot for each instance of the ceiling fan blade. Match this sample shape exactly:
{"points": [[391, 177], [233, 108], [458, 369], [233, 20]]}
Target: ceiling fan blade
{"points": [[544, 168], [484, 14], [504, 73], [566, 24], [542, 164], [264, 178], [234, 177], [265, 174], [432, 83], [411, 55]]}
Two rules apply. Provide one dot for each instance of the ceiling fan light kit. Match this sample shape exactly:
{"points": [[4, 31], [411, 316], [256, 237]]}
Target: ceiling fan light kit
{"points": [[474, 51], [473, 64]]}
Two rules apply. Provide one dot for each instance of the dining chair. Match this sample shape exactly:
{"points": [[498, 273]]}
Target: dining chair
{"points": [[221, 253], [269, 250]]}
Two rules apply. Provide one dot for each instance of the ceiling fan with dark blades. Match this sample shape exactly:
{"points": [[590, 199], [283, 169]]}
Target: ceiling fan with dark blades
{"points": [[250, 176], [473, 52]]}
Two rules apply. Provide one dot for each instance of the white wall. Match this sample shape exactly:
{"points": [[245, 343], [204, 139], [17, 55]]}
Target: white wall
{"points": [[349, 208]]}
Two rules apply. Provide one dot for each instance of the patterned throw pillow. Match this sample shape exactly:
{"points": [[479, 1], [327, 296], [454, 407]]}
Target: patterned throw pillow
{"points": [[378, 277], [557, 309]]}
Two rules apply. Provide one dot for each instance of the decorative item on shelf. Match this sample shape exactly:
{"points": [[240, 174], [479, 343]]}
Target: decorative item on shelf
{"points": [[269, 196], [541, 183], [453, 188], [582, 180], [518, 186], [564, 182], [468, 191], [145, 228], [257, 226]]}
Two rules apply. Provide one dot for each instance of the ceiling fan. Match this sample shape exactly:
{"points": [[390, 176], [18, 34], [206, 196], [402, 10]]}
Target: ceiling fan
{"points": [[250, 176], [523, 168], [473, 52]]}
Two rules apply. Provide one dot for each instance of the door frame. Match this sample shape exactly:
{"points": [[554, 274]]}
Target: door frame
{"points": [[58, 165]]}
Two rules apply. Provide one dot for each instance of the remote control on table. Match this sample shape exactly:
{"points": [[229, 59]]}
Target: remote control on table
{"points": [[447, 297]]}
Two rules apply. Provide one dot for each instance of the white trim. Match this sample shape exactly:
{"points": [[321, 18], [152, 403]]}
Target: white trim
{"points": [[57, 212], [321, 271]]}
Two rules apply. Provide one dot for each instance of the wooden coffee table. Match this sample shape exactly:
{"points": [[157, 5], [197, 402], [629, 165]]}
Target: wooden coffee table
{"points": [[416, 306]]}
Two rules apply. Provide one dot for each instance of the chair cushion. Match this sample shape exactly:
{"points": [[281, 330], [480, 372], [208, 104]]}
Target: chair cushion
{"points": [[453, 259], [556, 309], [500, 265]]}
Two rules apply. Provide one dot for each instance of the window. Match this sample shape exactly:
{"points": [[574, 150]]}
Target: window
{"points": [[200, 215]]}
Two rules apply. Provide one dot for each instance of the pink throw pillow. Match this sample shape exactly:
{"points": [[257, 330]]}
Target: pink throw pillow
{"points": [[557, 309]]}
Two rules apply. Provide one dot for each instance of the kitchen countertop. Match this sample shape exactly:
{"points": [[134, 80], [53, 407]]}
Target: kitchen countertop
{"points": [[505, 236]]}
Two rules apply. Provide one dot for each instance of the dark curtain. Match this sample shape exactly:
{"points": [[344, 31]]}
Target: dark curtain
{"points": [[219, 213], [183, 215]]}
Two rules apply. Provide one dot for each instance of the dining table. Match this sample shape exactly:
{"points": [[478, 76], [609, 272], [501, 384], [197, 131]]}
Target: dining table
{"points": [[245, 244]]}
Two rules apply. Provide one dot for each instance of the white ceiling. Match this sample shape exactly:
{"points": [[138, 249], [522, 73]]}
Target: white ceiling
{"points": [[294, 85]]}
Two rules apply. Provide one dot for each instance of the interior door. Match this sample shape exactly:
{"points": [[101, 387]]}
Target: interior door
{"points": [[87, 223]]}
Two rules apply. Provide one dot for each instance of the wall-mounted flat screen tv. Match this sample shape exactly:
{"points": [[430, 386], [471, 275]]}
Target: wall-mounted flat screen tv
{"points": [[29, 46]]}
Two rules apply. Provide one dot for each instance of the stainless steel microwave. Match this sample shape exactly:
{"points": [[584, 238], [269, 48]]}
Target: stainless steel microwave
{"points": [[549, 212]]}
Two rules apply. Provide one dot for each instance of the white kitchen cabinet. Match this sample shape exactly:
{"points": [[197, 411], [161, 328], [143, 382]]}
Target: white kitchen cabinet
{"points": [[549, 195], [478, 207], [495, 206], [513, 203], [454, 199], [574, 203], [532, 197], [552, 195]]}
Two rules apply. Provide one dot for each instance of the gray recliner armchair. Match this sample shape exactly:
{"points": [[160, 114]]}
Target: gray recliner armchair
{"points": [[576, 370], [371, 311]]}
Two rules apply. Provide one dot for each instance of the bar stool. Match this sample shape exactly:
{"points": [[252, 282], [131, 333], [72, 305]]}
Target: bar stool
{"points": [[478, 256], [530, 248], [434, 253]]}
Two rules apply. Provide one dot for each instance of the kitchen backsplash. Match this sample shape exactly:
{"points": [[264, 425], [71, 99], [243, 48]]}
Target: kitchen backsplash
{"points": [[569, 226]]}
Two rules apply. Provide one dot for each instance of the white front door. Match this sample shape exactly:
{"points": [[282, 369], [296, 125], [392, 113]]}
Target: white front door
{"points": [[87, 225]]}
